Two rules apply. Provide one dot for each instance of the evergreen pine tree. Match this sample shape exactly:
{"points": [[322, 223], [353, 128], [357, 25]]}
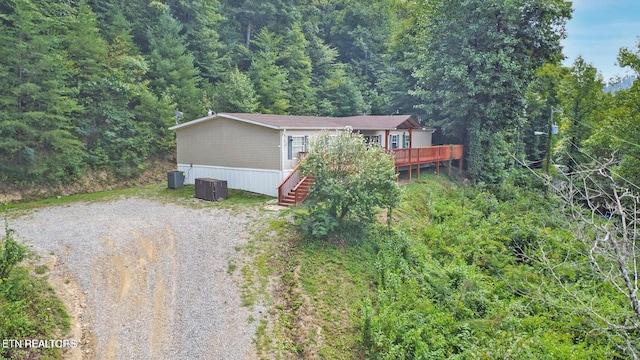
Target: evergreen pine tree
{"points": [[269, 79], [235, 94], [294, 58], [172, 71], [200, 20], [36, 102]]}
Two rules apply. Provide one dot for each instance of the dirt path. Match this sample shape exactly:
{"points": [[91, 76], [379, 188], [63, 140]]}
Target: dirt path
{"points": [[146, 280]]}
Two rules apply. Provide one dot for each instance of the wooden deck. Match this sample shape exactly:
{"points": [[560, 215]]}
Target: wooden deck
{"points": [[427, 155], [294, 188]]}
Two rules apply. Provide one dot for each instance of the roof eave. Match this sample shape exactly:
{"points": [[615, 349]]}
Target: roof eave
{"points": [[258, 123], [334, 128], [192, 122], [222, 115]]}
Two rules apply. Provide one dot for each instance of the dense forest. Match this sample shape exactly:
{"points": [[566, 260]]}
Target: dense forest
{"points": [[96, 84], [500, 269]]}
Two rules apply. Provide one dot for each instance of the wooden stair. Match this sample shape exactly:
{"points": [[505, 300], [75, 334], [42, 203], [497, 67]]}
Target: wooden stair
{"points": [[298, 193]]}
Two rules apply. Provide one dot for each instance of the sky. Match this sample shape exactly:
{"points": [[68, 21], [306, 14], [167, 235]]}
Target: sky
{"points": [[597, 31]]}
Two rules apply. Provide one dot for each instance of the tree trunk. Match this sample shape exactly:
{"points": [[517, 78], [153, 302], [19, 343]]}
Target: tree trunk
{"points": [[248, 39]]}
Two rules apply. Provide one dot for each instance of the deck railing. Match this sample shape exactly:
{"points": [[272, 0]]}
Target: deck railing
{"points": [[301, 190], [295, 184], [428, 155], [425, 155], [289, 183], [402, 157]]}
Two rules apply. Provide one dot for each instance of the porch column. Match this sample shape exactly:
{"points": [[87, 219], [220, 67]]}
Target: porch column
{"points": [[410, 138], [386, 140]]}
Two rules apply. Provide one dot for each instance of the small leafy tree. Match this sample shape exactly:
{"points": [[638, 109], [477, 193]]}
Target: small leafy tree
{"points": [[353, 182], [11, 253]]}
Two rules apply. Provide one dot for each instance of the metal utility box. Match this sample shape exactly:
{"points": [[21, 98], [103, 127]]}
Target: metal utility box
{"points": [[175, 179], [211, 189]]}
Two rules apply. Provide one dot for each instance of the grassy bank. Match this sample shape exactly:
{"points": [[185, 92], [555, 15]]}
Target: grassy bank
{"points": [[29, 307], [314, 292], [183, 195]]}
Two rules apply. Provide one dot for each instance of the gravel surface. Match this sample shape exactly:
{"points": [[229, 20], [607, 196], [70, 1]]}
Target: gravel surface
{"points": [[152, 278]]}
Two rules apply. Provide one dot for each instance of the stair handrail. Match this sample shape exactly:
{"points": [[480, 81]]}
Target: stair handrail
{"points": [[300, 196], [286, 185]]}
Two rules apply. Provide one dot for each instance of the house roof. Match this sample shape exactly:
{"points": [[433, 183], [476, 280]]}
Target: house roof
{"points": [[364, 122]]}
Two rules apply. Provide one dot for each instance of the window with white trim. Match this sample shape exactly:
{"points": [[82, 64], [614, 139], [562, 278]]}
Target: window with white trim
{"points": [[373, 140], [406, 140], [296, 144], [394, 141]]}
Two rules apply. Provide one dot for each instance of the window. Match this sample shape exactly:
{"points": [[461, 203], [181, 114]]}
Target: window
{"points": [[405, 140], [372, 140], [296, 144], [394, 141]]}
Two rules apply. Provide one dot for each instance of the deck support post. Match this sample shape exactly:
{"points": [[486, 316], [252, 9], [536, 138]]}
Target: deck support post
{"points": [[450, 160], [410, 164]]}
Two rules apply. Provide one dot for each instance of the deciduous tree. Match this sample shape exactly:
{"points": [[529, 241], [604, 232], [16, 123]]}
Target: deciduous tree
{"points": [[353, 181], [477, 60], [618, 129], [581, 95]]}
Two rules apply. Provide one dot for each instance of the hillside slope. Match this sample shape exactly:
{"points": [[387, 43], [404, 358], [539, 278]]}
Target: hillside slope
{"points": [[458, 275]]}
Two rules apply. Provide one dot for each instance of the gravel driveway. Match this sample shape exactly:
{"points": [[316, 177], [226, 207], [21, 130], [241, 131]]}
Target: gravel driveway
{"points": [[147, 280]]}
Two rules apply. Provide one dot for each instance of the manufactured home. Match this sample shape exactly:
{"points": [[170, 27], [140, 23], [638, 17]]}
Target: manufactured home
{"points": [[256, 152]]}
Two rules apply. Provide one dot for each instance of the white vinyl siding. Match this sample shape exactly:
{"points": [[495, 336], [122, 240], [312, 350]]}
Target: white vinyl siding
{"points": [[259, 181]]}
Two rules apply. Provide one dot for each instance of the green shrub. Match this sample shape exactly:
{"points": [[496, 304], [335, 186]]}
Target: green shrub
{"points": [[467, 284], [29, 308], [353, 182], [11, 253]]}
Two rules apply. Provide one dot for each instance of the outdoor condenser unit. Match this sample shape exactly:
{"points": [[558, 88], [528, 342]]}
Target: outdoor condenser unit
{"points": [[175, 179], [211, 189]]}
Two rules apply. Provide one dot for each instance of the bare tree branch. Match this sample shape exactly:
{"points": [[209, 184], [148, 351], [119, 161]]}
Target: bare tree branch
{"points": [[604, 223]]}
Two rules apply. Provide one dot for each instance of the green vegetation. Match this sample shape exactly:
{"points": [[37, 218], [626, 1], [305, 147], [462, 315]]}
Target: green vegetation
{"points": [[95, 85], [11, 253], [459, 277], [491, 271], [475, 93], [183, 195], [462, 273], [29, 308], [352, 182]]}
